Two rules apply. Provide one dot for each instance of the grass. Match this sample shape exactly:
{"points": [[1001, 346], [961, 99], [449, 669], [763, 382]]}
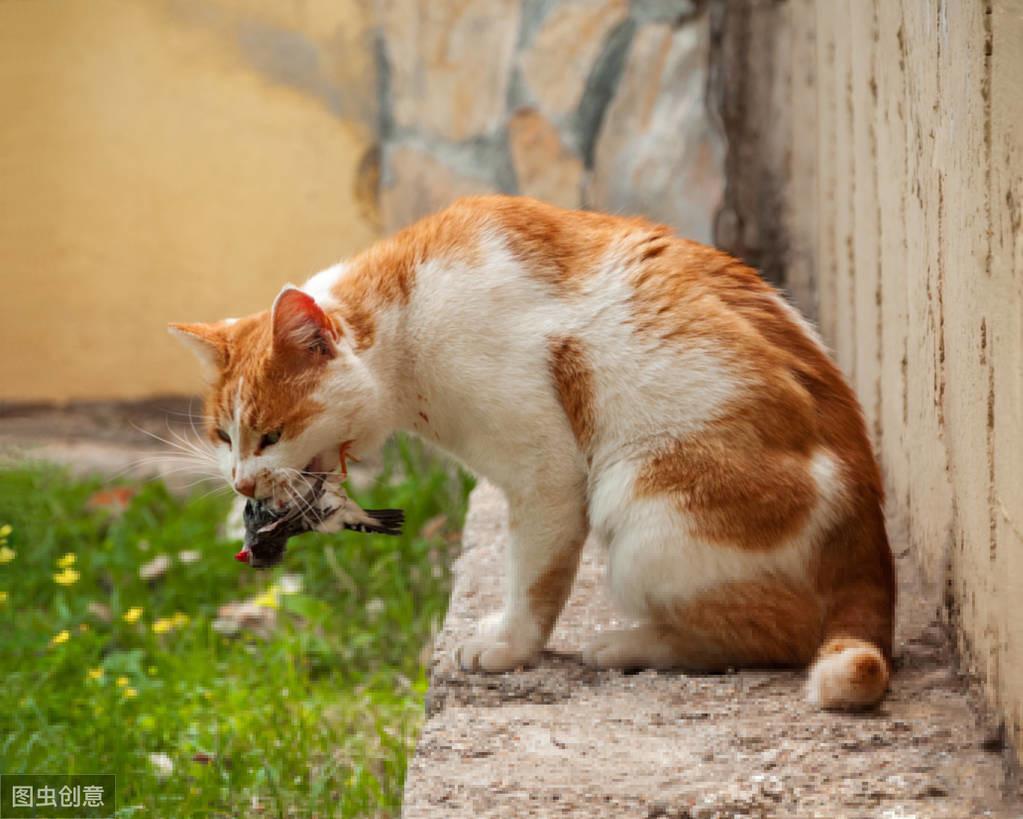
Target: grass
{"points": [[317, 719]]}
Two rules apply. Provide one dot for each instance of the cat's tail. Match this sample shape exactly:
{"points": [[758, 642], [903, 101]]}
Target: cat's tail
{"points": [[848, 675], [853, 666]]}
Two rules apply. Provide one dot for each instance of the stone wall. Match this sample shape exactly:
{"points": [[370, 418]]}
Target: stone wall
{"points": [[584, 103], [900, 189]]}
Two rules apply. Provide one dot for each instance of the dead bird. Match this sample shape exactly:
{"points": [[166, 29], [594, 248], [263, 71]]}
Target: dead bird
{"points": [[326, 508]]}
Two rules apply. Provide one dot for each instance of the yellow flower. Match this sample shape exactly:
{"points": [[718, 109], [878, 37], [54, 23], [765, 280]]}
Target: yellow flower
{"points": [[5, 531], [3, 596], [68, 560], [267, 599], [60, 637], [68, 577], [95, 673], [123, 681], [132, 614], [7, 554], [130, 692], [165, 624]]}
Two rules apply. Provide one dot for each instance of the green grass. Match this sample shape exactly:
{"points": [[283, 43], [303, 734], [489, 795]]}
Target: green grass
{"points": [[316, 720]]}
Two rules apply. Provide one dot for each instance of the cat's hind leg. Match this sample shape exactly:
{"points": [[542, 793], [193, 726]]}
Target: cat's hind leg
{"points": [[702, 605], [750, 624]]}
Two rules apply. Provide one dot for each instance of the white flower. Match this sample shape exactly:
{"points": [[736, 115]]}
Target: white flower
{"points": [[155, 568], [163, 765]]}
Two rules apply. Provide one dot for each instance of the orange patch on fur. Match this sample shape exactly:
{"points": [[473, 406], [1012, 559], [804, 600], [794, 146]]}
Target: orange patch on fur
{"points": [[735, 491], [384, 274], [573, 381], [548, 593], [772, 622], [855, 574], [277, 388], [744, 479], [556, 246]]}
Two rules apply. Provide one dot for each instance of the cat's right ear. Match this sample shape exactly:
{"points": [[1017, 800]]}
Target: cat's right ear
{"points": [[207, 342]]}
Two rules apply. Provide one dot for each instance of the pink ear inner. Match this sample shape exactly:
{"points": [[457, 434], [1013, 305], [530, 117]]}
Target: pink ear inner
{"points": [[298, 321]]}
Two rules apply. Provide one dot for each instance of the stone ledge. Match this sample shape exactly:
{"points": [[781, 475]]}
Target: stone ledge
{"points": [[568, 741]]}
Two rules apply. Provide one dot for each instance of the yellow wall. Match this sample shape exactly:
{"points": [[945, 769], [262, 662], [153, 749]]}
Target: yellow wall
{"points": [[168, 160]]}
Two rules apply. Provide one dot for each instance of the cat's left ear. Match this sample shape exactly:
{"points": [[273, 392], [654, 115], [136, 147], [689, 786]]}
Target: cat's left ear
{"points": [[300, 325], [207, 341]]}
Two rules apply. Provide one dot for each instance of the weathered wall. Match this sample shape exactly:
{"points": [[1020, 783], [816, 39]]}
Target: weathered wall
{"points": [[179, 159], [763, 91], [168, 160], [913, 224], [584, 103]]}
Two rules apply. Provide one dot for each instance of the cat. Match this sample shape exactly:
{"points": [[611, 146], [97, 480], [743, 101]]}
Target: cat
{"points": [[610, 377]]}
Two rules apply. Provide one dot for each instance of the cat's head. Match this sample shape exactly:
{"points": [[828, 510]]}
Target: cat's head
{"points": [[286, 392]]}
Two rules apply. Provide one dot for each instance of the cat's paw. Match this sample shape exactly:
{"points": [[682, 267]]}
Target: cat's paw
{"points": [[487, 653], [492, 625], [616, 649]]}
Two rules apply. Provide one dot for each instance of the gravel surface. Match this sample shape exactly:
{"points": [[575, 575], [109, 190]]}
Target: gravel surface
{"points": [[563, 740]]}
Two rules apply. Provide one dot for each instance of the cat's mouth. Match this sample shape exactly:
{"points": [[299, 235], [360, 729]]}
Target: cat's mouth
{"points": [[326, 462], [324, 466]]}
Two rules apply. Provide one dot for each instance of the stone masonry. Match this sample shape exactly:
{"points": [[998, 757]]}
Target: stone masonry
{"points": [[583, 103]]}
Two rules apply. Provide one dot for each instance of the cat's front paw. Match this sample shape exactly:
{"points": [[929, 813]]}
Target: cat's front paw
{"points": [[493, 655]]}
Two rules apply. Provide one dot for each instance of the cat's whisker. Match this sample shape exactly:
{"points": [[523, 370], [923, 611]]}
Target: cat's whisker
{"points": [[203, 479], [298, 498], [185, 462], [295, 500], [199, 447], [182, 445], [214, 491]]}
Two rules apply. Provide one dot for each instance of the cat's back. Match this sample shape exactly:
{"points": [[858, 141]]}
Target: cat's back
{"points": [[682, 330], [671, 334]]}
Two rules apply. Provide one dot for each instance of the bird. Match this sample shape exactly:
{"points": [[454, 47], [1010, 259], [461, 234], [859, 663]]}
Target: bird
{"points": [[327, 508]]}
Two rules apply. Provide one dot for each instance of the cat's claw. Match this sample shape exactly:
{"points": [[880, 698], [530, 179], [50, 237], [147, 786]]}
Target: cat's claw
{"points": [[492, 656]]}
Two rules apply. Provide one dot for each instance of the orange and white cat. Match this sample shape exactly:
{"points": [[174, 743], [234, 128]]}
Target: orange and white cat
{"points": [[609, 377]]}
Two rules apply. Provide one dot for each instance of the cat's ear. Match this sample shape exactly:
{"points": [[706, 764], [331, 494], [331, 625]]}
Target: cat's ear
{"points": [[301, 326], [208, 343]]}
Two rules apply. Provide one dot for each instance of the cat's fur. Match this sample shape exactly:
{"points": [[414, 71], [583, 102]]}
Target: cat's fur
{"points": [[611, 377]]}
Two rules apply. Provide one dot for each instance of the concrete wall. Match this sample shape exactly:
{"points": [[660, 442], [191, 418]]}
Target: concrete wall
{"points": [[910, 221], [169, 159]]}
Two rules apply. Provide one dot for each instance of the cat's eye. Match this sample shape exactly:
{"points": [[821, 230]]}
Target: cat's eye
{"points": [[223, 436], [270, 439]]}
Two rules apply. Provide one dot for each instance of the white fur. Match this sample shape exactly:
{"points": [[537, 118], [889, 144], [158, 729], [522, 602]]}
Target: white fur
{"points": [[654, 557], [321, 285]]}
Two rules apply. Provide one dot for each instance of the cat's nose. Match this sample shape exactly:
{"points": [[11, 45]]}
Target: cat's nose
{"points": [[246, 487]]}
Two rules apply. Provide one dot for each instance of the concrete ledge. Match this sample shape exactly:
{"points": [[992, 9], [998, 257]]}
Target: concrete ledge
{"points": [[562, 740]]}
